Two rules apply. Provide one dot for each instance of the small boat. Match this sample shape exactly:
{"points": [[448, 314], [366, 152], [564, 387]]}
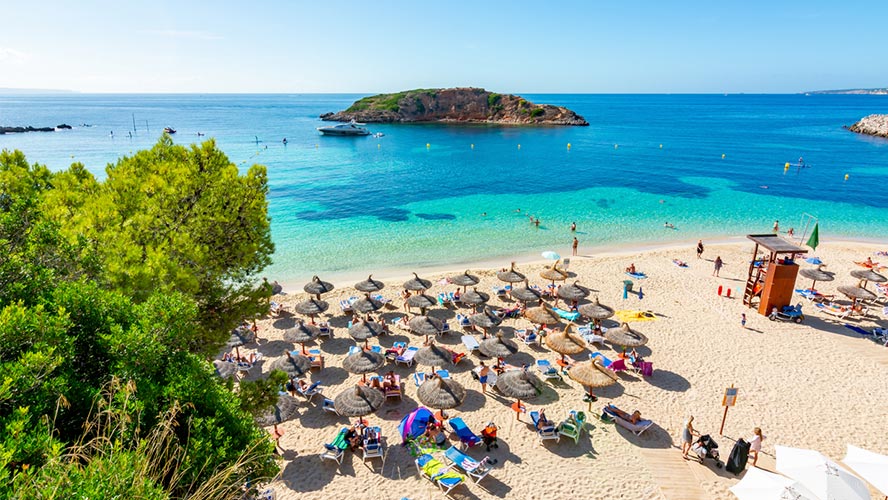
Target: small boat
{"points": [[169, 130], [351, 128]]}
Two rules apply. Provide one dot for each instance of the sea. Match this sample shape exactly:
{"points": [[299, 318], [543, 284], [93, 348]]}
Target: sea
{"points": [[447, 196]]}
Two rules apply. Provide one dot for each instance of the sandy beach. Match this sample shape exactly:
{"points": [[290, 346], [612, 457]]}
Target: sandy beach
{"points": [[815, 385]]}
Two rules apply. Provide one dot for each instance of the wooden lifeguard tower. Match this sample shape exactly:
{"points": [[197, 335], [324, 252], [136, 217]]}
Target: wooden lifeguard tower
{"points": [[772, 278]]}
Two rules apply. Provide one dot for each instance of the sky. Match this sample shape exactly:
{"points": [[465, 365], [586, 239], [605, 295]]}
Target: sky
{"points": [[344, 46]]}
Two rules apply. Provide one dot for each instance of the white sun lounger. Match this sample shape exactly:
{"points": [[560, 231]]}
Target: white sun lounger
{"points": [[471, 343], [407, 357]]}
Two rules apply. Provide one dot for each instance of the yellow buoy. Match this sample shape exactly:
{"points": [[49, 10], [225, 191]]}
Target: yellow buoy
{"points": [[661, 146], [616, 146], [568, 145], [519, 146], [316, 146], [846, 177], [723, 156], [473, 146], [786, 167], [379, 146], [428, 145]]}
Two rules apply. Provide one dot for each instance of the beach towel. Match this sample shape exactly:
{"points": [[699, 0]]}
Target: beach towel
{"points": [[627, 315], [638, 276]]}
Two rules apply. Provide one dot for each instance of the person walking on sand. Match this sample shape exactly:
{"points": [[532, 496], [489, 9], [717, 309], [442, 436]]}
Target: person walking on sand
{"points": [[482, 377], [699, 249], [277, 434], [718, 266], [743, 320], [576, 243], [755, 444], [687, 436]]}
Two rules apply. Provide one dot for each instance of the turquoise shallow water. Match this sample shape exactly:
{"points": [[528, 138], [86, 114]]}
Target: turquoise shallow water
{"points": [[416, 196]]}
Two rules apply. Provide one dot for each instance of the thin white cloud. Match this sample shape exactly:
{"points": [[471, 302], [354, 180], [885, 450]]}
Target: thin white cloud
{"points": [[14, 56], [186, 34]]}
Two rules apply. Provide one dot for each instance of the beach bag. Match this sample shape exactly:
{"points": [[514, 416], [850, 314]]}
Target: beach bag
{"points": [[737, 459]]}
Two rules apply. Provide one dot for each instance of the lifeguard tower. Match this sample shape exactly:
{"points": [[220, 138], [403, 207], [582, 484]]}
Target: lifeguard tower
{"points": [[772, 277]]}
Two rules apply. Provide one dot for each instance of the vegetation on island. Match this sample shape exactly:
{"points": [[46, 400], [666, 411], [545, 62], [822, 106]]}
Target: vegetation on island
{"points": [[112, 295]]}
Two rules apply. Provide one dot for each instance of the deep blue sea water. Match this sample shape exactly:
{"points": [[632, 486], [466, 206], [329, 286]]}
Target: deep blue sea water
{"points": [[416, 196]]}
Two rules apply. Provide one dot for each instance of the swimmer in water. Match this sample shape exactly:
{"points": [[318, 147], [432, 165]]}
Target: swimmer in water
{"points": [[668, 225], [483, 214], [536, 223]]}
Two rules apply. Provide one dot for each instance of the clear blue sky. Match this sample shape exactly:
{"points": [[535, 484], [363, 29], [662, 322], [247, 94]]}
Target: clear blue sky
{"points": [[509, 46]]}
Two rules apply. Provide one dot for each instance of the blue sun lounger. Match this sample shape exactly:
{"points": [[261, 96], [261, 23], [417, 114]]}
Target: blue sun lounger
{"points": [[467, 438]]}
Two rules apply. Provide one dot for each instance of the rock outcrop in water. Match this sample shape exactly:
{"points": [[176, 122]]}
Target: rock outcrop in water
{"points": [[876, 125], [458, 105], [21, 130]]}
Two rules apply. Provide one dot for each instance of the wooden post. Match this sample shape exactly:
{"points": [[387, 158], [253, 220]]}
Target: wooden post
{"points": [[721, 430], [728, 400]]}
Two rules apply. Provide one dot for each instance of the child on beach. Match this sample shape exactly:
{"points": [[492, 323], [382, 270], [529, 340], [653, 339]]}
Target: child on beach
{"points": [[755, 444], [743, 320]]}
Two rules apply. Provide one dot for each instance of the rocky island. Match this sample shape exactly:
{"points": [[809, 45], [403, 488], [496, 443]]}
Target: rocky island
{"points": [[22, 130], [457, 105], [876, 125]]}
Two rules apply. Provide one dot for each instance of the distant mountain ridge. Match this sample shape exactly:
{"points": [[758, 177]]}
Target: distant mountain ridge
{"points": [[455, 105], [882, 91]]}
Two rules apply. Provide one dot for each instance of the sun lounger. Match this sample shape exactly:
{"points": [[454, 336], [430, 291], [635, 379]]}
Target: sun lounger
{"points": [[373, 444], [637, 428], [336, 450], [315, 356], [443, 373], [328, 406], [491, 376], [455, 357], [445, 328], [407, 357], [528, 336], [568, 315], [547, 370], [546, 432], [605, 362], [463, 321], [569, 428], [397, 349], [394, 391], [443, 299], [379, 298], [276, 308], [499, 291], [311, 391], [325, 330], [836, 310], [438, 473], [418, 378], [477, 470], [467, 438], [470, 342]]}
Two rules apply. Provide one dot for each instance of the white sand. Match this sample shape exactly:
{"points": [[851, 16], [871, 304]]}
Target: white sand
{"points": [[817, 385]]}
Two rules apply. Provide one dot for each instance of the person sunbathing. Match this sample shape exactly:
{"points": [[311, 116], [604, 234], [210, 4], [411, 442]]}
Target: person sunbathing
{"points": [[633, 418], [394, 352], [631, 268], [869, 262], [543, 422], [389, 380], [456, 295], [353, 437]]}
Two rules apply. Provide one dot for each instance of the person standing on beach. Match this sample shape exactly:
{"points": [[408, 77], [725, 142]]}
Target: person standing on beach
{"points": [[718, 266], [776, 227], [743, 320], [699, 249], [482, 377], [576, 243], [687, 436], [755, 444], [277, 434]]}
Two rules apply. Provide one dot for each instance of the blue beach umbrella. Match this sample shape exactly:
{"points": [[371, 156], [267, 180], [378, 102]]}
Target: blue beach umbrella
{"points": [[548, 254], [814, 260]]}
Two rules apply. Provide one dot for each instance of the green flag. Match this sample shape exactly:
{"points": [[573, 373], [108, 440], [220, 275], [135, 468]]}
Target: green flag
{"points": [[814, 240]]}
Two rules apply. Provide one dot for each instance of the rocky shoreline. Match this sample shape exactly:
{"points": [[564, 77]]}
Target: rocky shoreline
{"points": [[457, 105], [22, 130], [875, 125]]}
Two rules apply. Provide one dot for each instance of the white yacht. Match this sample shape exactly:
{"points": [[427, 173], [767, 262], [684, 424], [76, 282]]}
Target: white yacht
{"points": [[350, 128]]}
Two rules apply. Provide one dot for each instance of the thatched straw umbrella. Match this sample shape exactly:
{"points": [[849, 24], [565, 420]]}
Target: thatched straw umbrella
{"points": [[591, 374], [364, 330], [573, 291], [868, 275], [441, 394], [317, 287], [856, 293], [565, 343], [625, 337], [465, 280], [526, 294], [554, 274], [510, 275], [358, 401], [518, 384], [284, 409], [542, 315], [311, 308], [369, 285], [474, 298], [417, 284], [425, 325], [596, 312], [367, 304], [363, 362], [498, 346], [301, 333], [485, 320], [421, 301], [225, 369], [239, 337], [432, 355], [817, 274], [294, 366]]}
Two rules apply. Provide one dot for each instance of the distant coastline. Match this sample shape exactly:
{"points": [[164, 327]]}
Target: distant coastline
{"points": [[882, 91]]}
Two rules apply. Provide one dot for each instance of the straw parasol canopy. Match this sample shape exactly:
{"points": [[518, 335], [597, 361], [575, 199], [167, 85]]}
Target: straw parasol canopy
{"points": [[284, 409], [564, 343], [625, 336], [417, 284], [596, 311], [510, 275], [441, 394], [817, 274], [554, 274], [311, 307], [367, 304], [465, 279], [364, 330], [239, 337], [474, 297], [432, 355], [868, 275], [518, 384], [301, 333], [225, 369], [421, 301], [425, 325], [541, 315], [590, 373], [363, 362], [369, 285], [317, 287], [485, 319], [856, 293], [358, 401], [498, 347], [526, 294], [574, 291], [293, 366]]}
